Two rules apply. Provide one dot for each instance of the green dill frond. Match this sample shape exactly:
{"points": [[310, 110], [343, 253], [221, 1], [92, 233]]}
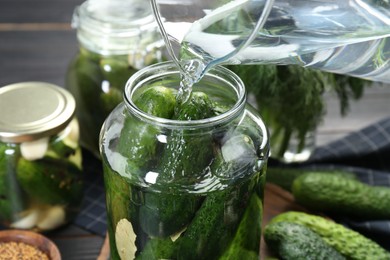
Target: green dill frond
{"points": [[290, 98]]}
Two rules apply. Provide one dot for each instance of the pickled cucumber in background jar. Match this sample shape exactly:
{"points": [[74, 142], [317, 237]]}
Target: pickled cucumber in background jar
{"points": [[116, 38], [184, 180], [40, 158]]}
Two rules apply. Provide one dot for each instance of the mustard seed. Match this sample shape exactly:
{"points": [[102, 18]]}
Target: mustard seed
{"points": [[20, 251]]}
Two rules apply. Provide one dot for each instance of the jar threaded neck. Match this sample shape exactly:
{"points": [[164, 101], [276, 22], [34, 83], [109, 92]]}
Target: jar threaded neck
{"points": [[167, 71]]}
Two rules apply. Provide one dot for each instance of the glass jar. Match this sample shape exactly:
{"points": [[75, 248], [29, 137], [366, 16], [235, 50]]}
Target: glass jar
{"points": [[297, 150], [290, 100], [40, 159], [184, 187], [116, 39]]}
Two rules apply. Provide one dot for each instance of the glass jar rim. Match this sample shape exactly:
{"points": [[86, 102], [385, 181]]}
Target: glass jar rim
{"points": [[168, 68]]}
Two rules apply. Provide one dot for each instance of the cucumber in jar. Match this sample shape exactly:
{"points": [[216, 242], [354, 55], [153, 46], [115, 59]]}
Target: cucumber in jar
{"points": [[185, 155], [116, 71], [5, 204], [158, 248], [225, 226], [216, 222], [208, 235], [187, 152], [119, 206], [137, 142], [11, 196], [230, 218], [245, 243], [50, 180], [138, 139], [84, 80]]}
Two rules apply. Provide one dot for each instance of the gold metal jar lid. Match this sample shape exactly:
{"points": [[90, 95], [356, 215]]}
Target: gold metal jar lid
{"points": [[32, 110]]}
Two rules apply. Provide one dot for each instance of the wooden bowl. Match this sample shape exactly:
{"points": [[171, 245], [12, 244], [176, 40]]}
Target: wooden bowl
{"points": [[34, 239]]}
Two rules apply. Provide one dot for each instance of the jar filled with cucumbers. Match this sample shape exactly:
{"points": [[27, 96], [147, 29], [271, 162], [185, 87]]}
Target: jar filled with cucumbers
{"points": [[41, 184], [116, 38], [184, 180]]}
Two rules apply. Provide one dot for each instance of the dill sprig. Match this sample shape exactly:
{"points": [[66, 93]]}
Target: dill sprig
{"points": [[290, 98]]}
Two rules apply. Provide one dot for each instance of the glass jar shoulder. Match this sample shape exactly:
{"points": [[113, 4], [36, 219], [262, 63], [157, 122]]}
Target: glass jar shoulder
{"points": [[152, 155]]}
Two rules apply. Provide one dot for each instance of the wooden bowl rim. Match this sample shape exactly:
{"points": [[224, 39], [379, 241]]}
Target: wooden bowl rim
{"points": [[34, 239]]}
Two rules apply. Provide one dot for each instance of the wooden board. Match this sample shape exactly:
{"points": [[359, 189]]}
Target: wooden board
{"points": [[276, 201]]}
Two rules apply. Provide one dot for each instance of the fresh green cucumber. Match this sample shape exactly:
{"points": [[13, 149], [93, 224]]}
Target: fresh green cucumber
{"points": [[284, 177], [342, 195], [293, 241], [349, 243]]}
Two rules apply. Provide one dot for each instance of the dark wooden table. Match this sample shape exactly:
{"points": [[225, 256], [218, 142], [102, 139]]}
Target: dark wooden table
{"points": [[37, 43]]}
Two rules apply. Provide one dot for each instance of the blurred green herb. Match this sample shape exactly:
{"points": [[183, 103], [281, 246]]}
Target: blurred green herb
{"points": [[382, 3], [290, 98]]}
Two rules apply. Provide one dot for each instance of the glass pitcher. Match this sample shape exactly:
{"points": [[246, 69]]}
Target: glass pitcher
{"points": [[345, 37]]}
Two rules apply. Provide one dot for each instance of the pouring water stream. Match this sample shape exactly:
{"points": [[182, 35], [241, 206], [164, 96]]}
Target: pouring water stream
{"points": [[192, 69]]}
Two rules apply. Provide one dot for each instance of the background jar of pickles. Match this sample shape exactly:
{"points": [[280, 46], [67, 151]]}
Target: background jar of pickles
{"points": [[40, 158], [116, 38], [184, 180]]}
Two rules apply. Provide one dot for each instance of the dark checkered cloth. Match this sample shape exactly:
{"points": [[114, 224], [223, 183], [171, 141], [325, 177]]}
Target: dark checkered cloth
{"points": [[367, 148], [92, 216], [366, 153]]}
